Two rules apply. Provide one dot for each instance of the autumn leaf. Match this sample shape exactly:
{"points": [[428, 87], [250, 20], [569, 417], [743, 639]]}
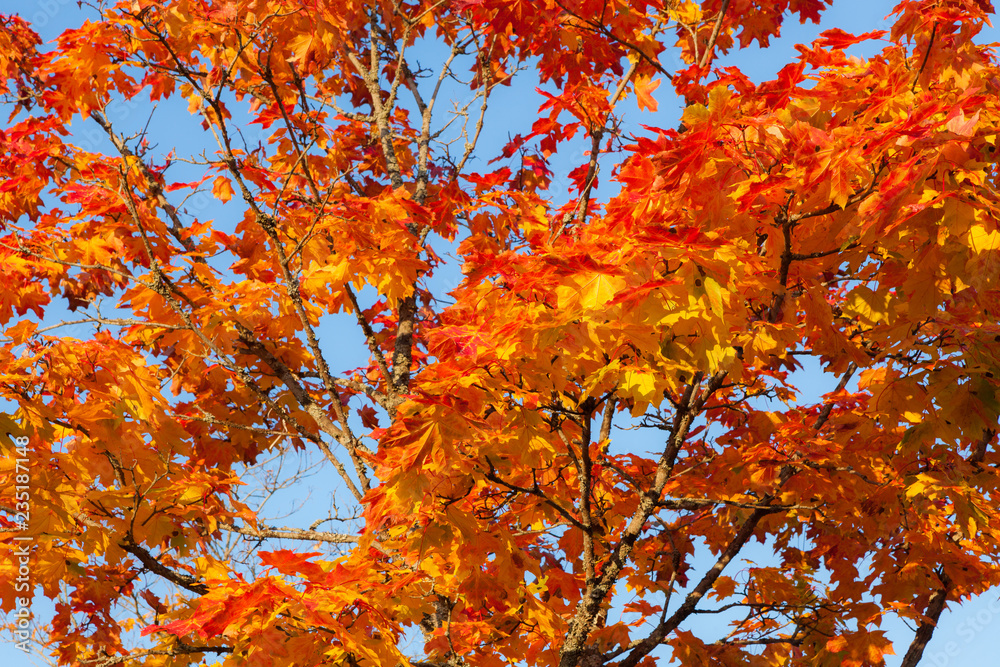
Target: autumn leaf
{"points": [[222, 189], [368, 417], [644, 93]]}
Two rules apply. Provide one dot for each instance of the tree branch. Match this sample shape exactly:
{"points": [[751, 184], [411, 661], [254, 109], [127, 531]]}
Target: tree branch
{"points": [[152, 564], [291, 534], [926, 628]]}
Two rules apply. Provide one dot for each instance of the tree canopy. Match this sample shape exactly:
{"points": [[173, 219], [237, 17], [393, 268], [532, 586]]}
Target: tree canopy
{"points": [[588, 439]]}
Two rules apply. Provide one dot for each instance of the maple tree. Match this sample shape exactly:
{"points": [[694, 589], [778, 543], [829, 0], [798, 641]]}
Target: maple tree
{"points": [[566, 458]]}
